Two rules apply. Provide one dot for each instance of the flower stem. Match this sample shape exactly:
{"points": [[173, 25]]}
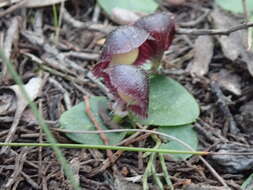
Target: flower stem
{"points": [[150, 169], [156, 63], [156, 178], [117, 118], [165, 171]]}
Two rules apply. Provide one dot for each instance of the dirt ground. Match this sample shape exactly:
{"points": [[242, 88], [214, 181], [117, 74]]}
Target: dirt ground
{"points": [[216, 72]]}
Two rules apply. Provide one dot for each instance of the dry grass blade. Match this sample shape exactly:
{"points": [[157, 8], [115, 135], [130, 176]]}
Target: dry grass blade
{"points": [[102, 135]]}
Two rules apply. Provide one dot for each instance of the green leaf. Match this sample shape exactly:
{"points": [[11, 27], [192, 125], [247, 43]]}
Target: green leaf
{"points": [[145, 6], [170, 104], [235, 5], [184, 133], [76, 119], [248, 183]]}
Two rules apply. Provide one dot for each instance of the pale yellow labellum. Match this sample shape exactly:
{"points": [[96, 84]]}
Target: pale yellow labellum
{"points": [[125, 58], [128, 99]]}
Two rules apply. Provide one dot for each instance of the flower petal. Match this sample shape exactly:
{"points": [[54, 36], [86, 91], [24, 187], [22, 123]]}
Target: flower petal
{"points": [[129, 84], [99, 68], [146, 51], [161, 27], [120, 41], [123, 40]]}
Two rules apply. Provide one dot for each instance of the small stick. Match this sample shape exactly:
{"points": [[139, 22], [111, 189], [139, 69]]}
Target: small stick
{"points": [[224, 107], [197, 21], [133, 138], [199, 32], [10, 39], [19, 5], [97, 125], [118, 153], [246, 16]]}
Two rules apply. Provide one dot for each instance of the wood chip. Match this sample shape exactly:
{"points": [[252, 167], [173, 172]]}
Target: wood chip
{"points": [[8, 102], [228, 43], [228, 80], [234, 46], [203, 53], [75, 165], [232, 164]]}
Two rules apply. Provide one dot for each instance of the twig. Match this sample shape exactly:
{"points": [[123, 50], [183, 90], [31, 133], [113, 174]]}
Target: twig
{"points": [[214, 31], [118, 153], [100, 85], [97, 125], [30, 180], [213, 172], [82, 55], [197, 21], [20, 4], [66, 95], [40, 149], [55, 70], [96, 13], [19, 162], [52, 55], [87, 25], [13, 128], [224, 107], [11, 37], [133, 138], [209, 137]]}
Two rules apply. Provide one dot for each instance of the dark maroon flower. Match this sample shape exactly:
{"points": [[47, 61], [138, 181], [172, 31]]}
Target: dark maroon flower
{"points": [[133, 44], [161, 26], [121, 47], [130, 46], [129, 85]]}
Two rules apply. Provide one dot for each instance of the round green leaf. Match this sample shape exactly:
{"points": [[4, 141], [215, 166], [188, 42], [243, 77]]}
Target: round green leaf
{"points": [[184, 133], [235, 5], [170, 104], [76, 119], [248, 183], [145, 6]]}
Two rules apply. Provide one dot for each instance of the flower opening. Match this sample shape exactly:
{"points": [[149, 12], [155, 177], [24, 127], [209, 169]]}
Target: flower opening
{"points": [[129, 85]]}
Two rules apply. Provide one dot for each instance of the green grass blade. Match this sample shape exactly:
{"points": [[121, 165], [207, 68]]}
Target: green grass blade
{"points": [[104, 147]]}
